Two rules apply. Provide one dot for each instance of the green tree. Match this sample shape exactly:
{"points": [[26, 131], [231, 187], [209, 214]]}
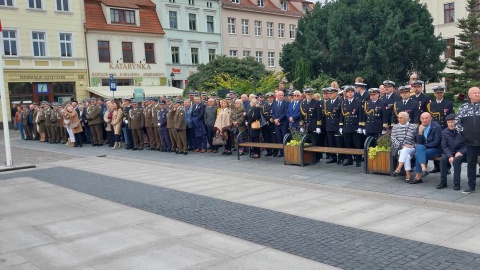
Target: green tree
{"points": [[374, 39], [242, 69], [467, 64], [320, 82], [303, 71]]}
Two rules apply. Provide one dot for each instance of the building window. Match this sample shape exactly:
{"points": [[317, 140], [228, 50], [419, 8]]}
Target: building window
{"points": [[258, 28], [233, 53], [122, 16], [292, 31], [305, 8], [260, 3], [66, 45], [192, 21], [281, 30], [450, 50], [210, 25], [236, 1], [245, 27], [10, 42], [209, 4], [194, 52], [63, 88], [171, 1], [269, 29], [211, 54], [127, 51], [449, 12], [173, 19], [175, 55], [284, 5], [191, 2], [20, 91], [62, 5], [39, 47], [103, 51], [119, 81], [259, 57], [35, 4], [149, 53], [231, 26], [246, 54], [6, 3], [271, 59]]}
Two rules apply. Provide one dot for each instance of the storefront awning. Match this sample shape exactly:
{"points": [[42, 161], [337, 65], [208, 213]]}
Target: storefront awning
{"points": [[127, 91]]}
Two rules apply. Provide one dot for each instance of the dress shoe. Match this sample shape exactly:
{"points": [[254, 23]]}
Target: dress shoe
{"points": [[416, 181], [435, 170], [203, 151], [456, 187], [340, 162], [185, 152], [358, 164], [331, 161], [214, 151], [424, 173], [210, 151], [348, 163], [196, 150], [442, 185]]}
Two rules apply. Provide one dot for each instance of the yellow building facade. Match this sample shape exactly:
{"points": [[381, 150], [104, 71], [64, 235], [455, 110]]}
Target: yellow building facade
{"points": [[44, 57]]}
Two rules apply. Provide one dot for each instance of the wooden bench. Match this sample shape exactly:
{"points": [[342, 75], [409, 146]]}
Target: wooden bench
{"points": [[250, 145]]}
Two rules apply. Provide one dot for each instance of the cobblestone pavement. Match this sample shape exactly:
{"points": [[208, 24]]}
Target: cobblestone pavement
{"points": [[335, 245]]}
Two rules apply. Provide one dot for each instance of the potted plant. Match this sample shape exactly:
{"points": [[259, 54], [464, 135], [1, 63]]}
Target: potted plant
{"points": [[292, 149], [379, 156]]}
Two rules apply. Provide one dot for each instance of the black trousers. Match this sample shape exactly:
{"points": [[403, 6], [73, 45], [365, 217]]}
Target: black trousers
{"points": [[472, 156], [280, 132], [210, 134], [190, 138], [353, 140], [165, 139], [269, 136], [334, 139]]}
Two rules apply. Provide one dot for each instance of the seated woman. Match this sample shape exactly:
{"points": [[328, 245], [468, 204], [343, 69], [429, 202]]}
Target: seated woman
{"points": [[403, 142]]}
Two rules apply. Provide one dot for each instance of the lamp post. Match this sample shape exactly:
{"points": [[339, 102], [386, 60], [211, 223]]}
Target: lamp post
{"points": [[172, 77]]}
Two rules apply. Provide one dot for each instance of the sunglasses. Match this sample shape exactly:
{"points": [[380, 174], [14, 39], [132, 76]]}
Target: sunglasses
{"points": [[296, 95]]}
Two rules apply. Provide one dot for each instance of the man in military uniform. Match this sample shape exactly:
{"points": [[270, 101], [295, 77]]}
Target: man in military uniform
{"points": [[162, 127], [32, 117], [310, 115], [390, 98], [350, 124], [408, 105], [323, 109], [156, 128], [332, 118], [361, 91], [148, 114], [204, 98], [375, 117], [268, 131], [171, 108], [26, 125], [54, 119], [126, 131], [47, 111], [95, 120], [439, 109], [261, 99], [180, 127], [198, 122], [420, 97], [136, 123]]}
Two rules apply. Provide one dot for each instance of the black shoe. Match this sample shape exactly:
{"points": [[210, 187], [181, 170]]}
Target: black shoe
{"points": [[280, 155], [424, 173], [416, 181], [358, 164], [442, 185], [348, 163], [333, 160], [468, 190], [228, 153], [101, 144], [185, 152], [456, 187], [435, 170], [340, 162]]}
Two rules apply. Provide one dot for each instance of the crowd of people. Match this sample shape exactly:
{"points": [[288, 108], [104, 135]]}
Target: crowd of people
{"points": [[336, 117]]}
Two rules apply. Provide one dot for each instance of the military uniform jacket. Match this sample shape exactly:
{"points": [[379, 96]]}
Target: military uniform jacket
{"points": [[411, 108], [440, 110], [375, 116], [363, 98], [147, 112], [323, 109], [125, 115], [310, 114], [170, 116], [267, 114], [179, 120], [422, 100], [54, 118], [162, 118], [333, 111], [351, 115], [47, 117], [389, 105], [94, 116], [136, 119], [155, 110]]}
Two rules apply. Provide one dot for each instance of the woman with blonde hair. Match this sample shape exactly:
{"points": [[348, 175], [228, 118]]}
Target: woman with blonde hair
{"points": [[74, 125], [107, 117], [223, 125], [117, 118], [254, 116]]}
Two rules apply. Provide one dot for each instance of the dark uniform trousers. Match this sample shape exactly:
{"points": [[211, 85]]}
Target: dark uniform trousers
{"points": [[97, 134], [137, 136], [63, 132], [158, 141], [28, 131], [268, 133], [332, 119], [353, 140], [181, 140], [48, 132], [165, 139], [172, 133], [151, 137]]}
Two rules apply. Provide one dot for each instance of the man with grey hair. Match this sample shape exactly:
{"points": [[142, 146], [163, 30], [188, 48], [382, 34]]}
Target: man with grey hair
{"points": [[293, 111]]}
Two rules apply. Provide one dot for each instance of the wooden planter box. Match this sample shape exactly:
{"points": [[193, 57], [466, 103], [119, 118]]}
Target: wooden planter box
{"points": [[292, 156], [380, 164]]}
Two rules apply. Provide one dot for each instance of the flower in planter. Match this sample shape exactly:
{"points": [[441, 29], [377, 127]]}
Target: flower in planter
{"points": [[297, 135], [383, 145]]}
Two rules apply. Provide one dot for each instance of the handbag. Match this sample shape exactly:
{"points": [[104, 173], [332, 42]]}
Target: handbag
{"points": [[255, 124], [73, 125], [263, 121], [218, 140], [66, 121]]}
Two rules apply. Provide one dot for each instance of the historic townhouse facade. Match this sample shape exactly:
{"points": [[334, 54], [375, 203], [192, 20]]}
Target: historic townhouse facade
{"points": [[260, 28], [44, 57], [192, 36]]}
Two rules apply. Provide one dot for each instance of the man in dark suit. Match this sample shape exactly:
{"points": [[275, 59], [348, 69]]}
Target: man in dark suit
{"points": [[268, 131], [429, 139], [332, 128], [375, 118], [126, 130], [311, 113], [279, 114], [390, 98], [408, 105], [420, 97], [361, 92], [198, 114], [350, 128], [293, 111]]}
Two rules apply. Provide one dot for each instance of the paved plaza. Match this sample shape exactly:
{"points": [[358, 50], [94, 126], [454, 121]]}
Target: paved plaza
{"points": [[95, 208]]}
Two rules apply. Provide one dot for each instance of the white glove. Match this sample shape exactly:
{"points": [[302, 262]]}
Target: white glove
{"points": [[126, 121], [384, 132], [364, 132], [359, 131], [340, 130], [158, 124], [318, 131], [302, 130]]}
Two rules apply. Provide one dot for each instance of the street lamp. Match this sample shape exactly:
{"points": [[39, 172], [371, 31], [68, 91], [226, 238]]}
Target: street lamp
{"points": [[172, 77]]}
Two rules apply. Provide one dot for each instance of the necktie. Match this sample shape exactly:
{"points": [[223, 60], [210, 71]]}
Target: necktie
{"points": [[294, 105], [308, 101], [404, 103], [349, 102]]}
